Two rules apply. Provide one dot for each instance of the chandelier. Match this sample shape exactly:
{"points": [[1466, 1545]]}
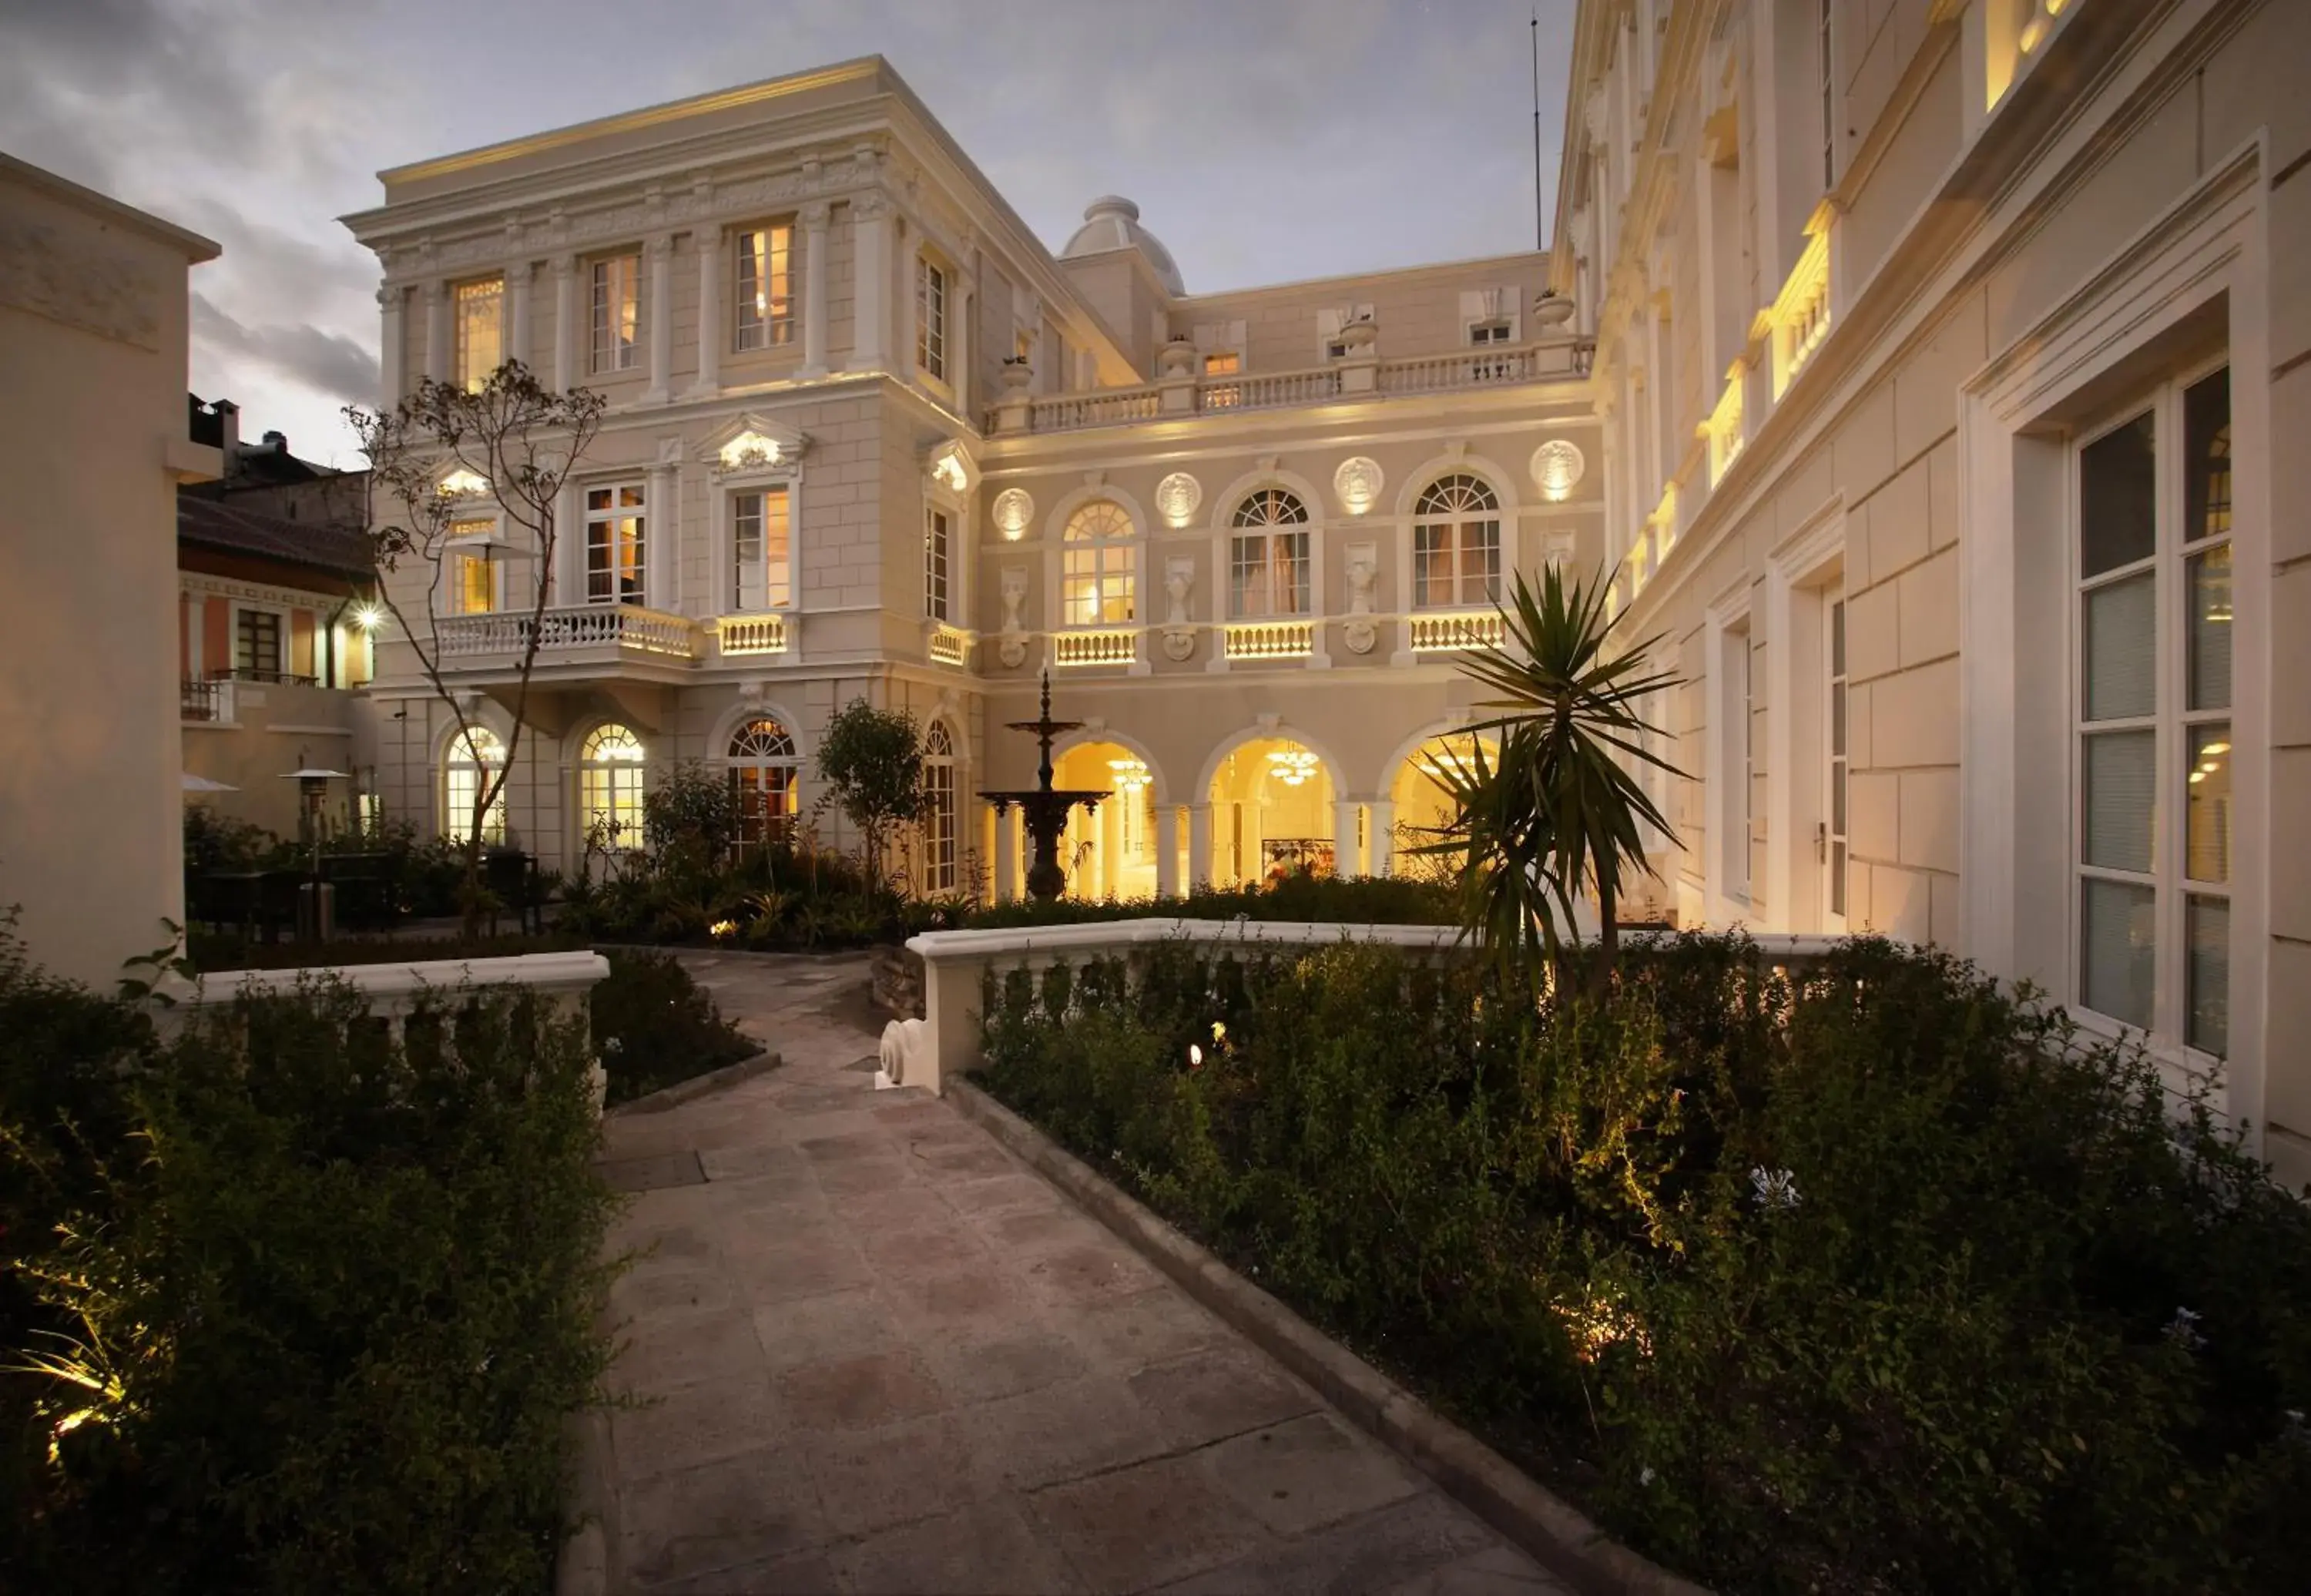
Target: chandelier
{"points": [[1130, 774], [1292, 767]]}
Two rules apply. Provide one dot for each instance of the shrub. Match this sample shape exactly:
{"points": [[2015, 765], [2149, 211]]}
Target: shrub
{"points": [[1879, 1281], [654, 1026], [334, 1298]]}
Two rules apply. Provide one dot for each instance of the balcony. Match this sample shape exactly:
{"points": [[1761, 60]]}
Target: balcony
{"points": [[949, 646], [577, 635], [739, 636], [1094, 647], [1445, 634], [207, 703], [1270, 640], [1460, 371]]}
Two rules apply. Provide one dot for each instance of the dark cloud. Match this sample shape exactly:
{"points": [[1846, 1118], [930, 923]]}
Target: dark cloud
{"points": [[329, 363]]}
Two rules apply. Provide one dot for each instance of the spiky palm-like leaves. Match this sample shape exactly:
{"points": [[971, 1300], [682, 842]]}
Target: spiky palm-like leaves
{"points": [[1554, 813]]}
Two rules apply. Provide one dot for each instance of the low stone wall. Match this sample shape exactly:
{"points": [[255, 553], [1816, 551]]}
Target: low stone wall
{"points": [[895, 980]]}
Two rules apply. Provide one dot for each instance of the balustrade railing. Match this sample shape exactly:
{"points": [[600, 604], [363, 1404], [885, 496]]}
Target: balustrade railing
{"points": [[1268, 390], [1271, 639], [751, 634], [949, 646], [625, 627], [1472, 629], [1475, 368], [1094, 647]]}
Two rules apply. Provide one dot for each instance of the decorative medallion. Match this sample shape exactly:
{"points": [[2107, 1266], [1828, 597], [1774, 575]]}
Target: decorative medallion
{"points": [[1014, 508], [1358, 483], [1177, 496], [1557, 468]]}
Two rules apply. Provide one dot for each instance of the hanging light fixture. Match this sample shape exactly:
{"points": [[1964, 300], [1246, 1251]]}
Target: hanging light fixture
{"points": [[1131, 775], [1292, 767]]}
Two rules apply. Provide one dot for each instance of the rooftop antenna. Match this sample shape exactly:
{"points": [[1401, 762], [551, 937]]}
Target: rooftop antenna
{"points": [[1540, 222]]}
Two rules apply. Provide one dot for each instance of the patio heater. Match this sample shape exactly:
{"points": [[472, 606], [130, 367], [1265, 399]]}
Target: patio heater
{"points": [[317, 909], [1045, 808]]}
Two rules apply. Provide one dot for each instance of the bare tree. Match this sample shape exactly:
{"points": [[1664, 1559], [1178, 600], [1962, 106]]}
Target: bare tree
{"points": [[439, 456]]}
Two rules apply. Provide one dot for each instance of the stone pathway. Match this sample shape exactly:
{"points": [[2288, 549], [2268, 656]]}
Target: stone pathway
{"points": [[879, 1355]]}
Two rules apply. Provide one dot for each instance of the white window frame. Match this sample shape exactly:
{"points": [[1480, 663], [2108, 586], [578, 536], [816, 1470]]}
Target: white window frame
{"points": [[462, 350], [1113, 556], [1458, 527], [614, 281], [942, 794], [939, 560], [755, 329], [934, 291], [1278, 599], [460, 767], [614, 511], [735, 765], [1803, 573], [612, 788], [2196, 277], [777, 575], [1729, 781], [2170, 723]]}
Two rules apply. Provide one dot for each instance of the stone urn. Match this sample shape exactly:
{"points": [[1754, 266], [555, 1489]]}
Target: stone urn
{"points": [[1551, 311], [1357, 336], [1018, 374], [1176, 360]]}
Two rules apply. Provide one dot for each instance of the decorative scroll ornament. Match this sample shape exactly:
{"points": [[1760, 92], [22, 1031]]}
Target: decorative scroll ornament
{"points": [[751, 452], [463, 484], [1358, 484], [1177, 496], [1360, 632], [1557, 468], [1179, 629], [1011, 647], [1015, 508]]}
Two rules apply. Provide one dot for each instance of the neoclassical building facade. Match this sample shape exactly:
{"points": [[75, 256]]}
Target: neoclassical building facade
{"points": [[1951, 359], [866, 436]]}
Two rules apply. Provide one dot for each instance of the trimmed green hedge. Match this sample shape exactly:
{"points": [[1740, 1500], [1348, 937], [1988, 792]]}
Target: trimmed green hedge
{"points": [[1879, 1283], [330, 1304]]}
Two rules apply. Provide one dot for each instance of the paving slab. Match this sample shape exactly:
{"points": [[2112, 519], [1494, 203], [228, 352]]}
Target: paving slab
{"points": [[867, 1350]]}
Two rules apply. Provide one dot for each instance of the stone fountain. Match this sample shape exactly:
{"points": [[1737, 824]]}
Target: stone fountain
{"points": [[1045, 808]]}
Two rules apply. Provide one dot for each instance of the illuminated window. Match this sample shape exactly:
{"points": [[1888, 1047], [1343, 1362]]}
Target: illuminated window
{"points": [[1099, 566], [760, 573], [1227, 363], [617, 311], [763, 764], [1456, 544], [615, 548], [938, 534], [481, 331], [610, 787], [930, 318], [476, 761], [2152, 761], [765, 280], [1268, 556], [939, 808], [474, 584]]}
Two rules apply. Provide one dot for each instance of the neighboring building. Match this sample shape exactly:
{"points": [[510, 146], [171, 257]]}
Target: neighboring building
{"points": [[867, 437], [274, 640], [93, 326], [1955, 364]]}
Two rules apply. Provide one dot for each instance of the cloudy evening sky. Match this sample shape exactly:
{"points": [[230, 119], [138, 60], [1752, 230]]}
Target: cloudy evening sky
{"points": [[1265, 140]]}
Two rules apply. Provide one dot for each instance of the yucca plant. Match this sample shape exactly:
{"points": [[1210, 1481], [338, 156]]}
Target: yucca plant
{"points": [[1555, 813]]}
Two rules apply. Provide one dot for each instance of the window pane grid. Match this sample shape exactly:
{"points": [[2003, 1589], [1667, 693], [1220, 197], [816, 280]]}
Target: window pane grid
{"points": [[930, 318], [935, 563], [480, 330], [615, 550], [617, 309], [766, 287]]}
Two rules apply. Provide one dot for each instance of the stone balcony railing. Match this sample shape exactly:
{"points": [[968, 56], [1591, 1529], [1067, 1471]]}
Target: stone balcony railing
{"points": [[575, 632], [1347, 380]]}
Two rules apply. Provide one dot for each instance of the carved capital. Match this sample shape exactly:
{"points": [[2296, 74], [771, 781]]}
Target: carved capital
{"points": [[871, 204], [659, 245], [814, 214]]}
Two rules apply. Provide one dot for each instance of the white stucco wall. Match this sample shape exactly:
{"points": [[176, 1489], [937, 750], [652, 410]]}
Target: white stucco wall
{"points": [[93, 442]]}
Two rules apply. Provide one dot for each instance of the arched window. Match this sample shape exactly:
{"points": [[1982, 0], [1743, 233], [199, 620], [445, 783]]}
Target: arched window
{"points": [[610, 786], [1099, 568], [476, 757], [1456, 543], [761, 764], [939, 808], [1268, 556]]}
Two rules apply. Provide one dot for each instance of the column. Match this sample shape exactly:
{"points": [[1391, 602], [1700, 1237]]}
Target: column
{"points": [[1111, 845], [870, 308], [1383, 835], [1347, 858], [390, 354], [813, 287], [569, 574], [1167, 851], [518, 278], [437, 330], [711, 244], [1006, 857], [659, 533], [1199, 846], [565, 321], [659, 254]]}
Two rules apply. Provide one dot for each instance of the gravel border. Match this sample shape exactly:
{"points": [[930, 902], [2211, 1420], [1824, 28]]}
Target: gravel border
{"points": [[697, 1085], [1557, 1534]]}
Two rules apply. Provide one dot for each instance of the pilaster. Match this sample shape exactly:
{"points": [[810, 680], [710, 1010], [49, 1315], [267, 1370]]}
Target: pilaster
{"points": [[815, 216], [658, 254]]}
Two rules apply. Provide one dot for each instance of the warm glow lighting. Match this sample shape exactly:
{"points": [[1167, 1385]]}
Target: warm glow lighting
{"points": [[2198, 776], [1130, 774], [1292, 766], [1177, 496], [462, 484], [750, 449], [1014, 508], [2211, 749], [368, 617], [1557, 469], [950, 473]]}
